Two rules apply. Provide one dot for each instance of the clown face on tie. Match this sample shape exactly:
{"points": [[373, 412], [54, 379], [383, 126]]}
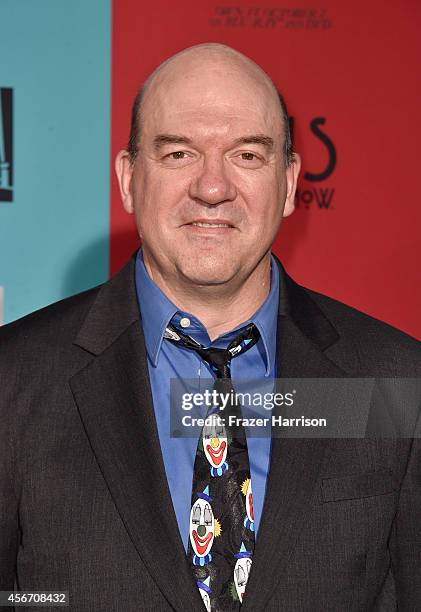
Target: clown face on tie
{"points": [[215, 446], [203, 528], [242, 570]]}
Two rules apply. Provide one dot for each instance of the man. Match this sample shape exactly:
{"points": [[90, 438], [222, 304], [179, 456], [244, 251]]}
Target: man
{"points": [[96, 495]]}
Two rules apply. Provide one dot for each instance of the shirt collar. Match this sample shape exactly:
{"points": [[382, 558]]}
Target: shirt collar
{"points": [[157, 310]]}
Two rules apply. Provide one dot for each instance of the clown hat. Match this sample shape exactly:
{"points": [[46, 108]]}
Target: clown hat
{"points": [[243, 553], [205, 494]]}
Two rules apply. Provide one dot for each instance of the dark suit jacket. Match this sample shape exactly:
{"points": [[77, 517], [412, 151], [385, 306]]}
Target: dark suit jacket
{"points": [[84, 502]]}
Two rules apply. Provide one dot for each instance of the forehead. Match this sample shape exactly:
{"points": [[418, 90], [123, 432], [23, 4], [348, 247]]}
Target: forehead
{"points": [[210, 101]]}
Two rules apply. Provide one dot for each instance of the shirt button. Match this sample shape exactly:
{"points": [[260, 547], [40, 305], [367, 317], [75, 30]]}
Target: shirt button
{"points": [[184, 322]]}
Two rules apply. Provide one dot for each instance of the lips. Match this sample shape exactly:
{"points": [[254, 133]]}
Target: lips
{"points": [[210, 227], [202, 543], [211, 223], [216, 454]]}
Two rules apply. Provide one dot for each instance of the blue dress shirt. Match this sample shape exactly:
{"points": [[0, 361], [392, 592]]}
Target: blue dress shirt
{"points": [[166, 360]]}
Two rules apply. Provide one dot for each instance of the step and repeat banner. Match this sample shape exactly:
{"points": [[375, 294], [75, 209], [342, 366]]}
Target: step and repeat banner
{"points": [[348, 71]]}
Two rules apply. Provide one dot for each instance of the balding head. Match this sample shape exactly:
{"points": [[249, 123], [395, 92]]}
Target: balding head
{"points": [[209, 62]]}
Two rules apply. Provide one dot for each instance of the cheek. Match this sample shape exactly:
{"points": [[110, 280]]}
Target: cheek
{"points": [[149, 214], [158, 201], [265, 219], [263, 199]]}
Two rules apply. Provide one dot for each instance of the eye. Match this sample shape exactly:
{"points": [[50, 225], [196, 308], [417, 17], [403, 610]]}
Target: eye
{"points": [[177, 155], [207, 433], [208, 516], [196, 516], [248, 159], [178, 159], [241, 576]]}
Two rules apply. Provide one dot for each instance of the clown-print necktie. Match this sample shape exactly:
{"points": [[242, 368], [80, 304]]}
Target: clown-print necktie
{"points": [[221, 542]]}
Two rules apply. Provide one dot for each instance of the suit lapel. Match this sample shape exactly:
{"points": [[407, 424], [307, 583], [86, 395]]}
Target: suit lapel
{"points": [[302, 334], [114, 400]]}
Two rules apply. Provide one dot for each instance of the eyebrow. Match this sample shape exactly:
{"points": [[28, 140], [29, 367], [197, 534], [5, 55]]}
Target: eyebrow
{"points": [[261, 139], [164, 139]]}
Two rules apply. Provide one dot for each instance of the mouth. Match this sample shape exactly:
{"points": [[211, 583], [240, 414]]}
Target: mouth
{"points": [[251, 507], [217, 226], [200, 224], [216, 454], [202, 543]]}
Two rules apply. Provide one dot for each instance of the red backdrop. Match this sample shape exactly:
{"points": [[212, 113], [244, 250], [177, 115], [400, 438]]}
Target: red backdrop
{"points": [[350, 75]]}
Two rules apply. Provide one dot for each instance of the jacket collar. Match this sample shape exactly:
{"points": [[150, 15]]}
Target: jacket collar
{"points": [[112, 312]]}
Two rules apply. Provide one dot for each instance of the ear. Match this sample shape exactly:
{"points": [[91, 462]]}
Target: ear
{"points": [[124, 170], [292, 173]]}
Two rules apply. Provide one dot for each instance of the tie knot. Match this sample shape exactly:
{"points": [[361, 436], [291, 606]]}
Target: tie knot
{"points": [[218, 359]]}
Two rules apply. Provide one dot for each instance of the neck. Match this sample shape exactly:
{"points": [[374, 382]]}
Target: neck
{"points": [[219, 307]]}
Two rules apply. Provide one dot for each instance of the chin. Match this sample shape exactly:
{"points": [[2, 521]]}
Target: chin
{"points": [[207, 272]]}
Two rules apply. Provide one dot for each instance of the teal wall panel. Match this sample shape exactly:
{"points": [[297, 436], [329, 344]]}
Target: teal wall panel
{"points": [[54, 235]]}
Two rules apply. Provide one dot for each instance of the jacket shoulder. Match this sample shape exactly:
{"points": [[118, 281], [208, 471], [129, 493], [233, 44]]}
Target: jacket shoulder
{"points": [[55, 321], [369, 340]]}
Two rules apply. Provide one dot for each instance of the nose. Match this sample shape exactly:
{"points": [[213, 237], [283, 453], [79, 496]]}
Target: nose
{"points": [[212, 185], [215, 442]]}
